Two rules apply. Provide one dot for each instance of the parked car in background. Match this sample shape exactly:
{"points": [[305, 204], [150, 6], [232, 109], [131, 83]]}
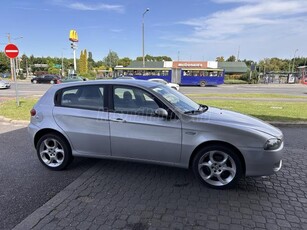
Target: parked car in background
{"points": [[47, 79], [149, 122], [4, 84], [159, 80], [72, 79]]}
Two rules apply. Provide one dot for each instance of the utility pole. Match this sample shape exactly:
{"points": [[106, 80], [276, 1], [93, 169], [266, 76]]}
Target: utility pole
{"points": [[62, 65], [238, 55]]}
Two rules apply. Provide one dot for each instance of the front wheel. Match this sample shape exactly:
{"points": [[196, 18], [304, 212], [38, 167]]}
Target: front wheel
{"points": [[217, 167], [52, 82], [54, 152], [34, 82]]}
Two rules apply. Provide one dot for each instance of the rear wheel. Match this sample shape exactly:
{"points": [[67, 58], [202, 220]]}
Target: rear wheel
{"points": [[54, 152], [202, 83], [52, 82], [34, 82], [217, 167]]}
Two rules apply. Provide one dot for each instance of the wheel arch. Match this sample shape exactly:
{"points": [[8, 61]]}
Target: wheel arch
{"points": [[221, 143], [42, 132]]}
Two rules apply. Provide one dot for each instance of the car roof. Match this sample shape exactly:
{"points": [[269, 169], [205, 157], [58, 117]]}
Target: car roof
{"points": [[127, 82]]}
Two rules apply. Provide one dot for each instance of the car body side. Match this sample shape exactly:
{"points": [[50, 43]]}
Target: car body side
{"points": [[196, 132]]}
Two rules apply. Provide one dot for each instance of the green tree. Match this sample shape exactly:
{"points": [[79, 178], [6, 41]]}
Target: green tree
{"points": [[111, 59], [232, 58], [83, 63], [220, 59], [124, 61], [154, 58], [90, 61], [4, 63]]}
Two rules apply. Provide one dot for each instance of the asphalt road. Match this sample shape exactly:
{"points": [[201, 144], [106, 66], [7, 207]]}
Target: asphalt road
{"points": [[26, 89], [25, 184]]}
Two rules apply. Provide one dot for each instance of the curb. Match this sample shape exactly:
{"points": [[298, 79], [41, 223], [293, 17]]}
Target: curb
{"points": [[288, 124], [22, 122], [34, 218]]}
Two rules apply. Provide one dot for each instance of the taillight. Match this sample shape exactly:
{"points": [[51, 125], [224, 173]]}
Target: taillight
{"points": [[33, 112]]}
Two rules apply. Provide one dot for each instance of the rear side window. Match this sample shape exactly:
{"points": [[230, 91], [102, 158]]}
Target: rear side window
{"points": [[83, 97]]}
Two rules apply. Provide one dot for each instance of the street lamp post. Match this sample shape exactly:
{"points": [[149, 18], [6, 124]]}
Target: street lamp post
{"points": [[294, 60], [62, 64], [143, 35]]}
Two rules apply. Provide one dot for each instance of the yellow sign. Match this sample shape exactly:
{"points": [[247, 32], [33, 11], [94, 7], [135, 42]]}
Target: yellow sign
{"points": [[73, 36]]}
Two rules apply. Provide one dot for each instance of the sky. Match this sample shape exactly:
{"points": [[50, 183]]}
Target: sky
{"points": [[186, 30]]}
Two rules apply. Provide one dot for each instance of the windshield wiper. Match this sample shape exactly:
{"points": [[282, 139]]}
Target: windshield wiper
{"points": [[201, 109]]}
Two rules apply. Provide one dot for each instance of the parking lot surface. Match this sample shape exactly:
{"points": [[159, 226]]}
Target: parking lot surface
{"points": [[123, 195]]}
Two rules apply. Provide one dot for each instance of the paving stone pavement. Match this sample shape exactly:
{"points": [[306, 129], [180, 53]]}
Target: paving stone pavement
{"points": [[123, 195]]}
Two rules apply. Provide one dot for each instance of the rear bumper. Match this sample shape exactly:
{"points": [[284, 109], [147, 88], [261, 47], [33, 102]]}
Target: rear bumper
{"points": [[32, 130]]}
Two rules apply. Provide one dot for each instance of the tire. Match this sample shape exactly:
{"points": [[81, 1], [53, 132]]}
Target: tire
{"points": [[54, 152], [217, 167], [202, 84], [52, 82], [174, 88], [34, 82]]}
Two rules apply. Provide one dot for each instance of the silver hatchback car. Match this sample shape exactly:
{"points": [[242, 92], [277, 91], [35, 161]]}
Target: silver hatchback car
{"points": [[149, 122]]}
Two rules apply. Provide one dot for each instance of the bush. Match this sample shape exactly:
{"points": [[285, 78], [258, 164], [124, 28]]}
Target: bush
{"points": [[89, 75], [22, 76]]}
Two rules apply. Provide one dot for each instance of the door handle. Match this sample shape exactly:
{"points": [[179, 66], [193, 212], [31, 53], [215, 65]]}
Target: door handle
{"points": [[118, 120]]}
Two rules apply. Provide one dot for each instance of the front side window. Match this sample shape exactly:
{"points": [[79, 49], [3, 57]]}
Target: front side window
{"points": [[178, 100], [134, 101], [83, 97]]}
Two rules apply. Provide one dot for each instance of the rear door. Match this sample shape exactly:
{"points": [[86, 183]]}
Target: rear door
{"points": [[81, 115]]}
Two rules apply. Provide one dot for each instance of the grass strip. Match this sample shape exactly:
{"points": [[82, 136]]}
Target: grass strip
{"points": [[246, 95], [10, 110], [265, 110]]}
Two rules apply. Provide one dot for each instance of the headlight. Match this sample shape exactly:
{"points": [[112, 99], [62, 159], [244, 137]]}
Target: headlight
{"points": [[272, 144]]}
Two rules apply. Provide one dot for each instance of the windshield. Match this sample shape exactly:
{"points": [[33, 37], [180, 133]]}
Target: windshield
{"points": [[178, 100]]}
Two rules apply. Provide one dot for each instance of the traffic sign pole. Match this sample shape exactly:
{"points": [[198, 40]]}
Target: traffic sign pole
{"points": [[11, 51], [16, 85]]}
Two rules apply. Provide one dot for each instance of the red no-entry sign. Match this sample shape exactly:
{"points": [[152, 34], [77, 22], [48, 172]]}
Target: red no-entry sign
{"points": [[11, 51]]}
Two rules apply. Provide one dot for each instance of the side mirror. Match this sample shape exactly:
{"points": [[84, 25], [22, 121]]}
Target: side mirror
{"points": [[161, 112]]}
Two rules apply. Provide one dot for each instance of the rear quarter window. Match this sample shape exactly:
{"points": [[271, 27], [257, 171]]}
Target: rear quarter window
{"points": [[82, 97]]}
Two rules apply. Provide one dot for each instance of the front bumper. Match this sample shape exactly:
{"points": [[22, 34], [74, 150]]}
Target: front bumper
{"points": [[261, 162]]}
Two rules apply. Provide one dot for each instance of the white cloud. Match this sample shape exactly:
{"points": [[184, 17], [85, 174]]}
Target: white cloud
{"points": [[101, 6], [116, 30], [90, 7], [267, 25]]}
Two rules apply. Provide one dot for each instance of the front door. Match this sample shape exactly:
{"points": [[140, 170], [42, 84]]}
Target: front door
{"points": [[137, 133]]}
